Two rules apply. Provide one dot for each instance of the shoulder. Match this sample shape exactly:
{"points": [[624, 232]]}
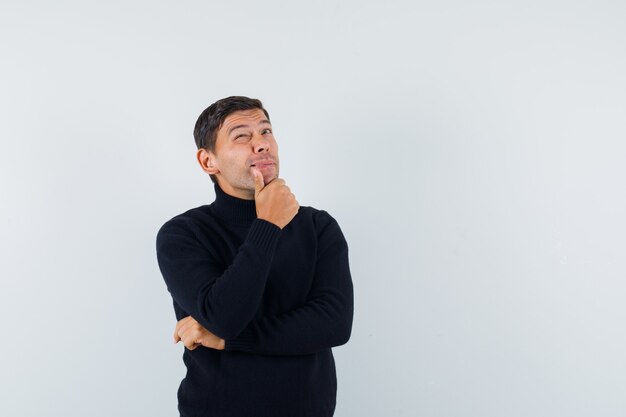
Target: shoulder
{"points": [[321, 220], [185, 222], [313, 214], [328, 234]]}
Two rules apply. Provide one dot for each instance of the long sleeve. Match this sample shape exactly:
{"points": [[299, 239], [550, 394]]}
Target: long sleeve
{"points": [[222, 300], [324, 321]]}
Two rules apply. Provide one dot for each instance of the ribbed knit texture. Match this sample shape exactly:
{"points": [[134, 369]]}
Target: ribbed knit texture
{"points": [[280, 298]]}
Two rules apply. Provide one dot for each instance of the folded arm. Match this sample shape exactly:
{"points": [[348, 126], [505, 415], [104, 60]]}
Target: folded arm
{"points": [[222, 301], [324, 321]]}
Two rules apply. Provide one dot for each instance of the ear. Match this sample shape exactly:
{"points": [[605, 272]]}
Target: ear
{"points": [[206, 159]]}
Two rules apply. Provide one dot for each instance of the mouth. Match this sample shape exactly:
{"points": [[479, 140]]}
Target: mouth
{"points": [[262, 164]]}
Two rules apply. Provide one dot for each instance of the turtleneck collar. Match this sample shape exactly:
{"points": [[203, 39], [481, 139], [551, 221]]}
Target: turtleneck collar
{"points": [[232, 209]]}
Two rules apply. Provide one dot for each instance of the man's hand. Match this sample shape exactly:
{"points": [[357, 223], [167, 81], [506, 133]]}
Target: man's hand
{"points": [[275, 202], [193, 335]]}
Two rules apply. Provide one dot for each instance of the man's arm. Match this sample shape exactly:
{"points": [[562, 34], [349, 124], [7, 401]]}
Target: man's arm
{"points": [[324, 321], [224, 302]]}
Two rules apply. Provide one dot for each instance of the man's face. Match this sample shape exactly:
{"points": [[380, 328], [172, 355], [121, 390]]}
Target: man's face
{"points": [[245, 142]]}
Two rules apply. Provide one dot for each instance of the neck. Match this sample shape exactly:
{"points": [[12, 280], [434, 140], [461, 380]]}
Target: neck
{"points": [[233, 209], [241, 193]]}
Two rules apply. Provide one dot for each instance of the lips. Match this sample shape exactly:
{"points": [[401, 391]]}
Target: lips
{"points": [[262, 163]]}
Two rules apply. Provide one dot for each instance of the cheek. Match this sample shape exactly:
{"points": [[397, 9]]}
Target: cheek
{"points": [[233, 160], [274, 147]]}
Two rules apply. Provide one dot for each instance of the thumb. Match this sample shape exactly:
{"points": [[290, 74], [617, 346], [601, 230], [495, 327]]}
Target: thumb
{"points": [[258, 181]]}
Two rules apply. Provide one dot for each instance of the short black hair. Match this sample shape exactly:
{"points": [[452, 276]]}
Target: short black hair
{"points": [[211, 119]]}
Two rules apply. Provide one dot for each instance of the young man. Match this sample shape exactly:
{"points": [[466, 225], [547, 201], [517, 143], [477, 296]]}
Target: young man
{"points": [[261, 286]]}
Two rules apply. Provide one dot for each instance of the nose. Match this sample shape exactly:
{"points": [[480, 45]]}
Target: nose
{"points": [[260, 144]]}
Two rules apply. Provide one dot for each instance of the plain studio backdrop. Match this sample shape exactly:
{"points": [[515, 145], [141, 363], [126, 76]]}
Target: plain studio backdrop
{"points": [[473, 153]]}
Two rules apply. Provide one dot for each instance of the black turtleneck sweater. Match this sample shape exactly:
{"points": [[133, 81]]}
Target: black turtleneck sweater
{"points": [[279, 298]]}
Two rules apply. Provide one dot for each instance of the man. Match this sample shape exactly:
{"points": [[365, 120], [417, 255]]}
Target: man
{"points": [[261, 286]]}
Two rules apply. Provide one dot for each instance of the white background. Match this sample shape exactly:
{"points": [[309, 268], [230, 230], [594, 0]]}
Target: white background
{"points": [[473, 153]]}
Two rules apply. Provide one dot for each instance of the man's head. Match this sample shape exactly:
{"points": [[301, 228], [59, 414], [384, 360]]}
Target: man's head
{"points": [[234, 136]]}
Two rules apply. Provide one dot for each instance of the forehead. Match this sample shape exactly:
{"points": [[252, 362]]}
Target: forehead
{"points": [[243, 117]]}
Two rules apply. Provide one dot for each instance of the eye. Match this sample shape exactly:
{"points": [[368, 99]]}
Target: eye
{"points": [[266, 131], [241, 137]]}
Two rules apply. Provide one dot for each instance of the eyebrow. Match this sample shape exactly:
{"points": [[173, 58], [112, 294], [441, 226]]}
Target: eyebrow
{"points": [[264, 121]]}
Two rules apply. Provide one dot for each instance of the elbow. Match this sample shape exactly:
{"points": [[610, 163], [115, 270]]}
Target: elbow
{"points": [[345, 329], [343, 338]]}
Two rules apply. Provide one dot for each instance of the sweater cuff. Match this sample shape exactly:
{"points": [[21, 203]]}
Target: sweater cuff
{"points": [[264, 235], [242, 342]]}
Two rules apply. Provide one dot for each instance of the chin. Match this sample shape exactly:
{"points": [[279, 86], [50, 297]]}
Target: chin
{"points": [[267, 178]]}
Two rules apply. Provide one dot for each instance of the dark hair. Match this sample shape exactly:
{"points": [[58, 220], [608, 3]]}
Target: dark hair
{"points": [[211, 119]]}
